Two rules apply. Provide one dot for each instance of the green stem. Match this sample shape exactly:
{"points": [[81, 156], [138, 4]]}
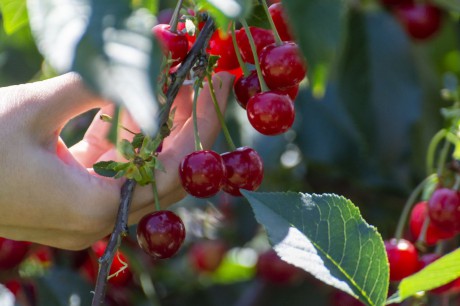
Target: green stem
{"points": [[196, 91], [263, 85], [432, 150], [219, 114], [237, 52], [457, 183], [422, 237], [175, 17], [278, 40], [155, 194], [443, 157], [408, 206]]}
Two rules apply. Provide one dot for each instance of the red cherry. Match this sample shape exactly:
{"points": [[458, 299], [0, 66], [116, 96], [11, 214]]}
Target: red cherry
{"points": [[271, 113], [207, 255], [444, 209], [171, 42], [283, 65], [202, 173], [245, 170], [262, 38], [279, 19], [427, 259], [12, 252], [161, 234], [118, 263], [393, 3], [402, 257], [421, 21], [340, 298], [222, 45], [417, 218], [246, 87], [273, 269]]}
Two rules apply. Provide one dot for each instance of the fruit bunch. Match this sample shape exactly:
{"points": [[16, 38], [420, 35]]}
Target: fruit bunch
{"points": [[420, 19]]}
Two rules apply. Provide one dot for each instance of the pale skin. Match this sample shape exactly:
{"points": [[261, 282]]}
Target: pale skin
{"points": [[49, 193]]}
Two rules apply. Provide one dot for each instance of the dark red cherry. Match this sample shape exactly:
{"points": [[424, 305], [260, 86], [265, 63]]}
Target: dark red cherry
{"points": [[246, 87], [262, 38], [420, 20], [12, 252], [245, 170], [393, 3], [222, 45], [202, 173], [271, 268], [271, 113], [444, 209], [171, 42], [280, 20], [207, 255], [161, 234], [282, 66], [402, 257], [417, 218]]}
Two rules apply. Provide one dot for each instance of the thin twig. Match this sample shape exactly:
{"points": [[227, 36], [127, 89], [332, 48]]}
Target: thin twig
{"points": [[127, 190]]}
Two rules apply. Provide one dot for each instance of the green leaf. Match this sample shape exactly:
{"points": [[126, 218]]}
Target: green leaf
{"points": [[58, 286], [326, 236], [108, 44], [453, 5], [14, 15], [258, 18], [440, 272], [318, 28], [223, 11], [105, 168]]}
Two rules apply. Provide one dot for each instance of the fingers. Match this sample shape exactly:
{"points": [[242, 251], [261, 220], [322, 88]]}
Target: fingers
{"points": [[182, 142]]}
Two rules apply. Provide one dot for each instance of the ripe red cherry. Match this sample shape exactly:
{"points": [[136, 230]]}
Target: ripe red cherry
{"points": [[271, 113], [12, 252], [279, 19], [245, 170], [393, 3], [207, 255], [402, 257], [262, 38], [433, 234], [123, 278], [246, 87], [222, 46], [202, 173], [283, 65], [161, 234], [444, 209], [420, 20], [273, 269], [171, 42]]}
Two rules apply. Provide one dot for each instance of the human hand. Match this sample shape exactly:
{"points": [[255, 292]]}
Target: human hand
{"points": [[49, 193]]}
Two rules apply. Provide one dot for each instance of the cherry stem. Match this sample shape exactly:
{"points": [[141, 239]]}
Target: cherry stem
{"points": [[220, 116], [196, 91], [120, 230], [457, 183], [175, 17], [408, 206], [422, 237], [121, 223], [237, 52], [443, 157], [263, 85], [432, 150], [278, 40]]}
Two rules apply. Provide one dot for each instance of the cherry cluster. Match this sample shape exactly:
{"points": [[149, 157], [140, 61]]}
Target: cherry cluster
{"points": [[420, 19], [266, 93], [430, 222]]}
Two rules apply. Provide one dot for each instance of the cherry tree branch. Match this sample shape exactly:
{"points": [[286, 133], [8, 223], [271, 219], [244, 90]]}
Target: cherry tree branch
{"points": [[127, 190]]}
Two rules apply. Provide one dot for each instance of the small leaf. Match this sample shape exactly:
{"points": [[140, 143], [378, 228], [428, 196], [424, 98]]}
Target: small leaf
{"points": [[138, 140], [126, 149], [440, 272], [14, 15], [326, 236], [105, 168], [258, 18], [223, 11]]}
